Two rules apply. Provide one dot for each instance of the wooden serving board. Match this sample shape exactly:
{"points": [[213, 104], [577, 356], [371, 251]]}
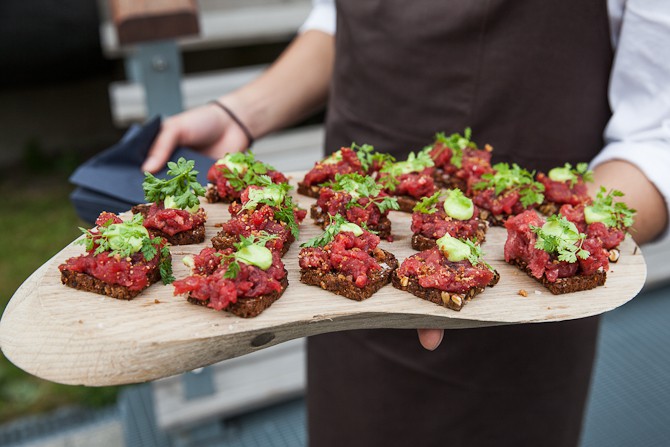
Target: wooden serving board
{"points": [[75, 337]]}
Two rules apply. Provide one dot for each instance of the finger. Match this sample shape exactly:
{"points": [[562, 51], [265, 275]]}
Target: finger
{"points": [[233, 140], [162, 149], [430, 339]]}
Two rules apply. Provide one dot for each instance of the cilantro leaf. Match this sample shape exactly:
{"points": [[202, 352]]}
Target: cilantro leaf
{"points": [[165, 266]]}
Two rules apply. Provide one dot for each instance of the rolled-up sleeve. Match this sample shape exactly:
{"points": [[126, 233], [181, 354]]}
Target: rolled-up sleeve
{"points": [[639, 130], [321, 18]]}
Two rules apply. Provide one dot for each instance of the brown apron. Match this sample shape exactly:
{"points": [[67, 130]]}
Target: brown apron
{"points": [[529, 77]]}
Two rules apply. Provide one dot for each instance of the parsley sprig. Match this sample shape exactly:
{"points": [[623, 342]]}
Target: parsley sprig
{"points": [[367, 156], [457, 143], [619, 215], [233, 268], [428, 205], [251, 175], [329, 233], [506, 178], [414, 163], [125, 239], [358, 186], [183, 187], [561, 237], [476, 256]]}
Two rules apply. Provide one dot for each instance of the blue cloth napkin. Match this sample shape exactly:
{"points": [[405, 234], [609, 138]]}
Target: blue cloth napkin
{"points": [[112, 180]]}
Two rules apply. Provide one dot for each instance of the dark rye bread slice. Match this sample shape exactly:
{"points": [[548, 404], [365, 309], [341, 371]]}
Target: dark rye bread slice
{"points": [[322, 219], [566, 285], [340, 285], [421, 242], [193, 236], [250, 307], [549, 208], [212, 195], [450, 300], [88, 283], [406, 203], [309, 191], [445, 180], [494, 220], [223, 240]]}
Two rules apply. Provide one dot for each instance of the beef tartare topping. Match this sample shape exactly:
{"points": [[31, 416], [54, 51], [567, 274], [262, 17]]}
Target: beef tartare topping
{"points": [[234, 172], [433, 270], [122, 253], [345, 162], [566, 184], [359, 198], [172, 221], [222, 277], [553, 249], [431, 220], [277, 198], [501, 190], [447, 152], [344, 248]]}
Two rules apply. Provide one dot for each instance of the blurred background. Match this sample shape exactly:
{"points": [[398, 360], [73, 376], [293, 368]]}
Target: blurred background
{"points": [[72, 81]]}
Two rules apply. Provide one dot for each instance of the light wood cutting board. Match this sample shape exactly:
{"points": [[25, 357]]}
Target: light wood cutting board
{"points": [[74, 337]]}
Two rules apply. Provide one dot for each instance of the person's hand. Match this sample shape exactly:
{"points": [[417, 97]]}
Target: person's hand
{"points": [[207, 129], [430, 338]]}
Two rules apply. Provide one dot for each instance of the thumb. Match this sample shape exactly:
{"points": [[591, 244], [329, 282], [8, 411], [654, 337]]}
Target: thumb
{"points": [[430, 339]]}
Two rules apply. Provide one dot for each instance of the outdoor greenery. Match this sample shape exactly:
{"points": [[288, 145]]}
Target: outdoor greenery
{"points": [[37, 221]]}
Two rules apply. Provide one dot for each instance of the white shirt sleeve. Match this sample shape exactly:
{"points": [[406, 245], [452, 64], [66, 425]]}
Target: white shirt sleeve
{"points": [[321, 18], [639, 130]]}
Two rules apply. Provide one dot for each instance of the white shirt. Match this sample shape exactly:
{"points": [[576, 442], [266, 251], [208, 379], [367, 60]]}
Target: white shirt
{"points": [[639, 91]]}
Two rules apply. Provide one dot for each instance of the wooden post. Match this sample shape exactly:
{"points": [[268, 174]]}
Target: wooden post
{"points": [[147, 20]]}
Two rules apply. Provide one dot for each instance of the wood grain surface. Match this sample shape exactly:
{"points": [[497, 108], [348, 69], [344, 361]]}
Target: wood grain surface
{"points": [[74, 337]]}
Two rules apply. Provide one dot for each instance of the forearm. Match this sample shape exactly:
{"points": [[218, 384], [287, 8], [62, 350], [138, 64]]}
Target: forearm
{"points": [[295, 86], [640, 194]]}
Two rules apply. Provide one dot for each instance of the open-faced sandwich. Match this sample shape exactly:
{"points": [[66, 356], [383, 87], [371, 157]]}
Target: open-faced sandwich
{"points": [[346, 260], [564, 186], [268, 208], [175, 211], [604, 219], [121, 260], [449, 274], [410, 180], [359, 199], [555, 252], [456, 216], [244, 280], [457, 158], [505, 191], [356, 159], [230, 175]]}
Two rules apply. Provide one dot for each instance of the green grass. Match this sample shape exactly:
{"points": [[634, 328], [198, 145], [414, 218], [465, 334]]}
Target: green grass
{"points": [[36, 222]]}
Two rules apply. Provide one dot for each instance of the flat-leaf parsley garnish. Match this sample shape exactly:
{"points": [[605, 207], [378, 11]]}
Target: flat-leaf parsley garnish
{"points": [[457, 143], [618, 214], [278, 197], [251, 172], [358, 186], [428, 205], [367, 156], [414, 163], [514, 178], [329, 233], [561, 237], [183, 187]]}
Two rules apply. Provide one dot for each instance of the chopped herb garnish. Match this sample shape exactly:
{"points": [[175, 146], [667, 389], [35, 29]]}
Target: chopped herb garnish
{"points": [[428, 205], [513, 179], [414, 163], [616, 214], [367, 156], [329, 233], [183, 188], [358, 186], [561, 237], [243, 170], [234, 259]]}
